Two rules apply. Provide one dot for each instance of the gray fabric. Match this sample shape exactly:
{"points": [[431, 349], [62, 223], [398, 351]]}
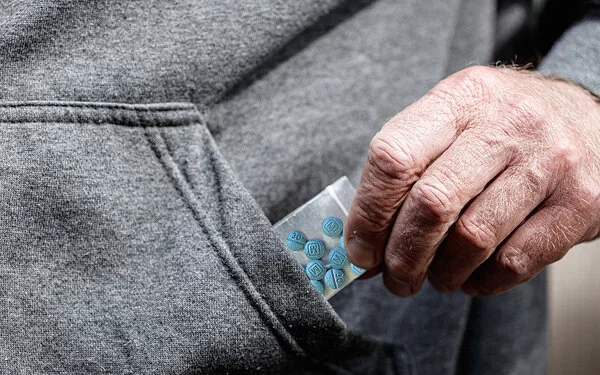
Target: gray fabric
{"points": [[507, 334], [453, 333], [136, 238], [472, 37], [141, 51], [315, 112], [110, 263], [576, 55]]}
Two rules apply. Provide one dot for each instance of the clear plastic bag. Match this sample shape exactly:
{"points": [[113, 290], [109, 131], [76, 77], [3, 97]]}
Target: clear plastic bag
{"points": [[333, 202]]}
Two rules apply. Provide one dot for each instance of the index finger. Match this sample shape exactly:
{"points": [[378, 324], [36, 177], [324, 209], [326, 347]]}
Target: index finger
{"points": [[397, 157]]}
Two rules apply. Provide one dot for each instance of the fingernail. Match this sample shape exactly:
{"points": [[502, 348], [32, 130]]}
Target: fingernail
{"points": [[360, 253]]}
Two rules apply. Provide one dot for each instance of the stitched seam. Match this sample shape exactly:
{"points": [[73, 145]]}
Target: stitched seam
{"points": [[101, 113], [331, 366], [132, 124], [182, 169], [213, 164], [101, 106], [222, 251]]}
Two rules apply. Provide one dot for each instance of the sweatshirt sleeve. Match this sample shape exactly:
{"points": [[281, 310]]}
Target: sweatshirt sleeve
{"points": [[576, 56]]}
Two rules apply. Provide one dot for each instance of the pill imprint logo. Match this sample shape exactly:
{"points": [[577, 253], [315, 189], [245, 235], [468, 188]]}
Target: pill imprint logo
{"points": [[332, 226], [314, 249], [316, 270], [338, 258]]}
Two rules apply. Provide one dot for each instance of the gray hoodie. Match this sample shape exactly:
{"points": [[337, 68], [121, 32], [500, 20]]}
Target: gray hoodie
{"points": [[146, 146]]}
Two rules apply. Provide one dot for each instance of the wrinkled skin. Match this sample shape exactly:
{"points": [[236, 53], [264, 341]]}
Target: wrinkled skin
{"points": [[480, 184]]}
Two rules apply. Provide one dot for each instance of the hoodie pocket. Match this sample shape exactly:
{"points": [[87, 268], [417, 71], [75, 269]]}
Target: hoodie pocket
{"points": [[128, 246]]}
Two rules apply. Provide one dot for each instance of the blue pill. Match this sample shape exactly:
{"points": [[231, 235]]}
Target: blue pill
{"points": [[314, 249], [332, 226], [338, 258], [315, 269], [342, 242], [295, 241], [357, 270], [334, 278], [318, 286]]}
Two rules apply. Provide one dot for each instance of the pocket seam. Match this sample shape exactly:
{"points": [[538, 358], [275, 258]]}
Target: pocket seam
{"points": [[131, 115], [158, 145], [155, 107]]}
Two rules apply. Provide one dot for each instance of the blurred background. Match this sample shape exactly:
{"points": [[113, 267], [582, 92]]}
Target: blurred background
{"points": [[575, 312]]}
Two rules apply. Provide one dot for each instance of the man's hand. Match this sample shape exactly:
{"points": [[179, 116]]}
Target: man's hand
{"points": [[480, 184]]}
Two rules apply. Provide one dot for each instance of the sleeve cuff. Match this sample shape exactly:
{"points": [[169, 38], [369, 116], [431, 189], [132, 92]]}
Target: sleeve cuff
{"points": [[576, 56]]}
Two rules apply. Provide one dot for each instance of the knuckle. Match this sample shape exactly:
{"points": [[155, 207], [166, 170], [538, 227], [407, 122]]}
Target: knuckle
{"points": [[450, 101], [516, 262], [525, 113], [587, 199], [434, 202], [388, 175], [564, 156], [535, 181], [466, 95], [477, 235], [477, 80], [474, 83], [402, 268], [372, 212], [579, 211], [390, 162]]}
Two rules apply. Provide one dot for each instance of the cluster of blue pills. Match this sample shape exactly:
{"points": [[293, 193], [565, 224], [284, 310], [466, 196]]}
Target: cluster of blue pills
{"points": [[317, 270]]}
